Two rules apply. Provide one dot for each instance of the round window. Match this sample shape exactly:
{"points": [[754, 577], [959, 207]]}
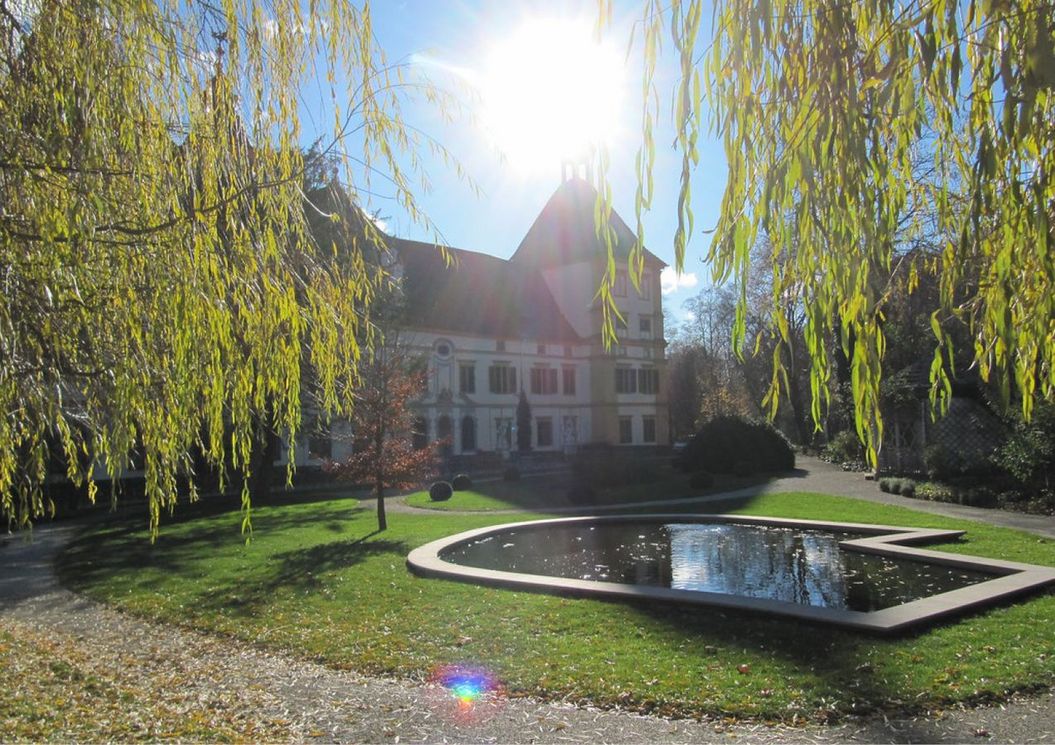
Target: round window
{"points": [[443, 349]]}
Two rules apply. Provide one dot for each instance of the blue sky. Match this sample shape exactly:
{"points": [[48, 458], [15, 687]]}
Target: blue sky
{"points": [[461, 34]]}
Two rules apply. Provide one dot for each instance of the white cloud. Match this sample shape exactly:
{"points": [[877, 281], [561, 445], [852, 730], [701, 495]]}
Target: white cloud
{"points": [[380, 223], [670, 281]]}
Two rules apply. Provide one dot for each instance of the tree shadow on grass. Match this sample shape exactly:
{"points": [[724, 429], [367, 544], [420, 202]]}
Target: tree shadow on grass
{"points": [[108, 548], [300, 571]]}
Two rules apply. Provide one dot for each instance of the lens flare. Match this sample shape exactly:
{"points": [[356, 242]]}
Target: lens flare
{"points": [[466, 694]]}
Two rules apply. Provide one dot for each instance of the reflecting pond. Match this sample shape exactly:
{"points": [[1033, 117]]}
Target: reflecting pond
{"points": [[778, 563]]}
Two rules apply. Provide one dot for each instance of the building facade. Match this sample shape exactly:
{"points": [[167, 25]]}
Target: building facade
{"points": [[491, 328]]}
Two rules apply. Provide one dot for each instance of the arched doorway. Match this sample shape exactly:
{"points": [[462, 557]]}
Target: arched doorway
{"points": [[443, 428], [468, 434], [446, 440]]}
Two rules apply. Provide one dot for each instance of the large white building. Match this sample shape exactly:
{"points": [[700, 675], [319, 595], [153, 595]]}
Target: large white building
{"points": [[491, 328]]}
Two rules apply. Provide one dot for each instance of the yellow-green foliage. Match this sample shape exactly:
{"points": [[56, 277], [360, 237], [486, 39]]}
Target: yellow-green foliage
{"points": [[859, 134], [160, 286]]}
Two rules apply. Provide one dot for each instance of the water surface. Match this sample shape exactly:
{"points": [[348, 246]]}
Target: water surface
{"points": [[760, 561]]}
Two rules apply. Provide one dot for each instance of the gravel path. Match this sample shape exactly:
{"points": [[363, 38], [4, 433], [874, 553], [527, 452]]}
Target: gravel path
{"points": [[313, 701]]}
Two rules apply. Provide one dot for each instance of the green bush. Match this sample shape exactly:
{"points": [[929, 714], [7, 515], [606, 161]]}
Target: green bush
{"points": [[893, 485], [971, 496], [512, 473], [440, 491], [844, 448], [935, 492], [890, 485], [462, 482], [1028, 455], [743, 468], [581, 492], [736, 445], [605, 468], [943, 464], [701, 480]]}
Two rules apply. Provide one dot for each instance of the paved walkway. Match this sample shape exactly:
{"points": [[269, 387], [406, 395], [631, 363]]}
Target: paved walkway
{"points": [[341, 706]]}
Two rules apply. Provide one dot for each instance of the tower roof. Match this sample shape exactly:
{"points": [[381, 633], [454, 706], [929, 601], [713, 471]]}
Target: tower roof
{"points": [[478, 294], [565, 232]]}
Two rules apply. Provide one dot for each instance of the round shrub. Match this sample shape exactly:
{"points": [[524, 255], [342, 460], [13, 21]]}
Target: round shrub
{"points": [[886, 485], [743, 468], [462, 482], [512, 473], [440, 491], [724, 443], [908, 488], [701, 480]]}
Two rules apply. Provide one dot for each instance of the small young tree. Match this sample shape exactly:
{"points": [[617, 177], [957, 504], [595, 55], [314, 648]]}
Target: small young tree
{"points": [[384, 454]]}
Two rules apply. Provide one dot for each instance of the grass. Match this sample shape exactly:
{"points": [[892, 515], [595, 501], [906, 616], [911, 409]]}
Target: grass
{"points": [[319, 582], [546, 493]]}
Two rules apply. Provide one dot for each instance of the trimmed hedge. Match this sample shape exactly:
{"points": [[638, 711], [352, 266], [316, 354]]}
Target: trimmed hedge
{"points": [[701, 480], [740, 446], [462, 482], [904, 487], [440, 491], [512, 473], [581, 492], [605, 468]]}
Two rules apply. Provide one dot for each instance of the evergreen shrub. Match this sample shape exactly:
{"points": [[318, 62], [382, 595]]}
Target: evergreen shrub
{"points": [[730, 444], [440, 491]]}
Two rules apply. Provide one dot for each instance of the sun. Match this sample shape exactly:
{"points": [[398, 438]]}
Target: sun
{"points": [[551, 92]]}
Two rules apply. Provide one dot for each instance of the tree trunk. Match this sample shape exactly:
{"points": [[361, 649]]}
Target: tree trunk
{"points": [[262, 462], [382, 521]]}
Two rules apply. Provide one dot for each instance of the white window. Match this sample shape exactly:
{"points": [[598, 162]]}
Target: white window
{"points": [[644, 325], [625, 380], [568, 375], [626, 430], [544, 431], [467, 378], [648, 380], [648, 429], [570, 430], [502, 378], [503, 433], [543, 380]]}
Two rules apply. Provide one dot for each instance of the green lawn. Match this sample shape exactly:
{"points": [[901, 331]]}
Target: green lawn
{"points": [[541, 494], [318, 581]]}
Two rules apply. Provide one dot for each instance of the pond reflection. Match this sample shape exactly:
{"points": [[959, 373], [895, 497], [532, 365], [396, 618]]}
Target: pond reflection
{"points": [[787, 564]]}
